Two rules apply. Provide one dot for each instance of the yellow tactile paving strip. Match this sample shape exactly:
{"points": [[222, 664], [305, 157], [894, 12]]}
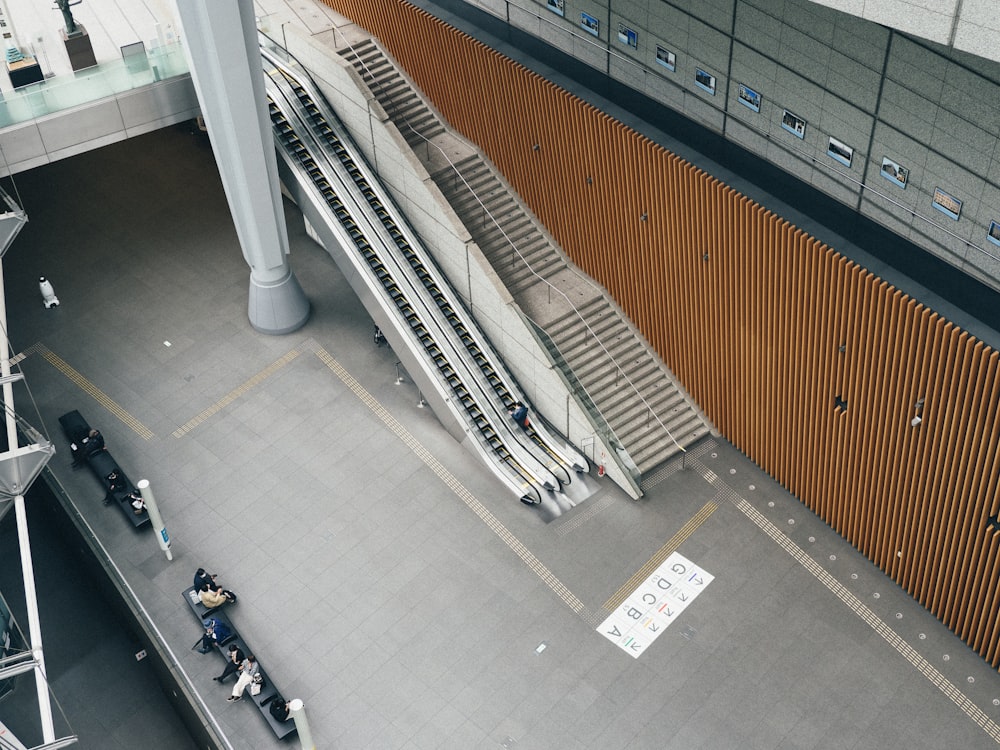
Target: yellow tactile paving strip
{"points": [[661, 554], [880, 626], [90, 389], [236, 393], [453, 483]]}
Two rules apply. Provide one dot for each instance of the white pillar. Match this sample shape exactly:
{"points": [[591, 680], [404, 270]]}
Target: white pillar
{"points": [[221, 40], [155, 518], [298, 711]]}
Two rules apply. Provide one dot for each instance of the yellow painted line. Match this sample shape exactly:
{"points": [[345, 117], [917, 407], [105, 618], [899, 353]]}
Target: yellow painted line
{"points": [[236, 393], [451, 481], [661, 554], [92, 390], [876, 623]]}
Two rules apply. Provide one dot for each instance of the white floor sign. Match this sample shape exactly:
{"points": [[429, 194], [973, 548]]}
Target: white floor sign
{"points": [[655, 604]]}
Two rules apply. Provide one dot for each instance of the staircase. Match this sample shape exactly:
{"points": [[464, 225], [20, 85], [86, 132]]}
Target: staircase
{"points": [[613, 370]]}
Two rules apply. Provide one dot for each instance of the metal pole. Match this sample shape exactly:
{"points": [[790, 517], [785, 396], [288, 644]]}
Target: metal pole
{"points": [[154, 516], [34, 624], [27, 569], [298, 712]]}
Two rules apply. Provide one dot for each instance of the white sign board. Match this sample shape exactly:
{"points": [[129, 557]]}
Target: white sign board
{"points": [[655, 604]]}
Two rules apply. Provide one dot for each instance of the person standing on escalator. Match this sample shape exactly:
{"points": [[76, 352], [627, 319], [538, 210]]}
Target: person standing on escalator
{"points": [[520, 414]]}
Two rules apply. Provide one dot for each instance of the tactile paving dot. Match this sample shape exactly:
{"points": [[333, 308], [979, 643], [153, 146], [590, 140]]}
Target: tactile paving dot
{"points": [[996, 701], [877, 595], [922, 636], [833, 557], [715, 455], [946, 657], [770, 504], [971, 679], [854, 576], [812, 539], [753, 487], [899, 615], [732, 471], [791, 521]]}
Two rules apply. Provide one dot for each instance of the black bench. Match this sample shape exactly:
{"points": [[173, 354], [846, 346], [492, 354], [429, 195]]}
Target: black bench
{"points": [[103, 466], [281, 729]]}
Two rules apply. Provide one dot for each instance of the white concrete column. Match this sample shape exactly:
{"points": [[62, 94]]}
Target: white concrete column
{"points": [[221, 39]]}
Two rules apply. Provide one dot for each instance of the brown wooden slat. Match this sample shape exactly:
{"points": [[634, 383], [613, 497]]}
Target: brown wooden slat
{"points": [[751, 313]]}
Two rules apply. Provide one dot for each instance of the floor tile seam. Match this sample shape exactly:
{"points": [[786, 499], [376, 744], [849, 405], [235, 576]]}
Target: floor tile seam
{"points": [[671, 546], [78, 379], [452, 482], [236, 393], [885, 631]]}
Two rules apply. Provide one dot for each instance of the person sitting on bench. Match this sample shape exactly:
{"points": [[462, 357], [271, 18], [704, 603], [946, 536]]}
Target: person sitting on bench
{"points": [[201, 578], [212, 598], [236, 657]]}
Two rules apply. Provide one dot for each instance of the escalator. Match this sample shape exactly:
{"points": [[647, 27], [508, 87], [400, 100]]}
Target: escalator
{"points": [[404, 292]]}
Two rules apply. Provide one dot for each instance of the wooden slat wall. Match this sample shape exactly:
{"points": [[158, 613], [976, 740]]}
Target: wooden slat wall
{"points": [[764, 325]]}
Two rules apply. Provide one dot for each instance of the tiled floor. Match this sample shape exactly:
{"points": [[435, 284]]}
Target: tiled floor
{"points": [[384, 576]]}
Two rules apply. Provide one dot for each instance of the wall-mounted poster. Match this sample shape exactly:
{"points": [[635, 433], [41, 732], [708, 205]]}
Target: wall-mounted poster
{"points": [[704, 81], [627, 36], [994, 234], [793, 124], [893, 172], [666, 58], [947, 204], [557, 6], [749, 98], [840, 151], [590, 24]]}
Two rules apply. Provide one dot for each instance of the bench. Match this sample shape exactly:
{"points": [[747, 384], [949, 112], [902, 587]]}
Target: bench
{"points": [[281, 729], [102, 465]]}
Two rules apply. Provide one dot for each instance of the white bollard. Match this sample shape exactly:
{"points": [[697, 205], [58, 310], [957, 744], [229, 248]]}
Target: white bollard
{"points": [[298, 712], [49, 298], [154, 515]]}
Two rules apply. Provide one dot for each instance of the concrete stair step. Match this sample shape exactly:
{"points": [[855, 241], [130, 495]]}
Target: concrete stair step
{"points": [[593, 311], [662, 402]]}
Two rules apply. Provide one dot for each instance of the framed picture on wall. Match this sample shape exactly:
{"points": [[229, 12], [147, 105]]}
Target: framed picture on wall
{"points": [[590, 24], [557, 6], [627, 36], [704, 80], [666, 58], [947, 204], [840, 151], [793, 124], [749, 98], [994, 234], [894, 173]]}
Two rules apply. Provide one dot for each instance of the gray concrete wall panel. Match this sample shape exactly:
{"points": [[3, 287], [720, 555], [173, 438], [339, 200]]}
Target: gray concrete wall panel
{"points": [[932, 109]]}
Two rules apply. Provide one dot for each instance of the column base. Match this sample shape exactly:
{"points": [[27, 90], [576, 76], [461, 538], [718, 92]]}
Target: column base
{"points": [[278, 307]]}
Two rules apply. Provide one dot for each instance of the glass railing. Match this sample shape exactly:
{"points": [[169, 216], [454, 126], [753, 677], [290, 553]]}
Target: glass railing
{"points": [[579, 392], [99, 82]]}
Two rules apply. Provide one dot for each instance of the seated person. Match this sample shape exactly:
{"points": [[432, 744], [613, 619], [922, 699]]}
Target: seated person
{"points": [[202, 578], [93, 443], [211, 598], [136, 501], [115, 484], [215, 633]]}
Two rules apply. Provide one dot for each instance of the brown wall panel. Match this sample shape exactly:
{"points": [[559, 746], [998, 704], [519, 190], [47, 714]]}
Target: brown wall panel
{"points": [[764, 325]]}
